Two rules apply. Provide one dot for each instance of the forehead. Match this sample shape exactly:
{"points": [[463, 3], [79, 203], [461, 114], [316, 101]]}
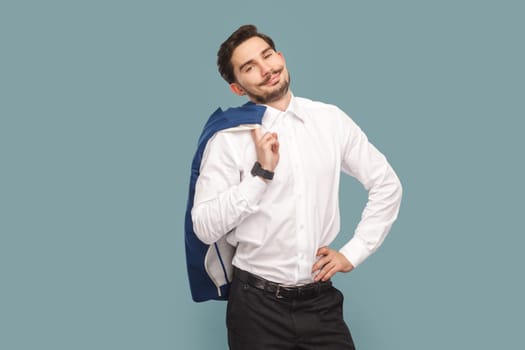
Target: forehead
{"points": [[248, 50]]}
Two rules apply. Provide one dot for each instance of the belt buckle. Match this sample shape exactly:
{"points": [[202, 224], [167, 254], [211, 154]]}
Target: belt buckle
{"points": [[278, 292]]}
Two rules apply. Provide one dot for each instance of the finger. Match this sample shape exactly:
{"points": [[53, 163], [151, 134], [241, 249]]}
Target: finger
{"points": [[269, 136], [275, 147], [329, 274], [320, 263], [267, 141], [322, 275], [275, 144], [323, 251]]}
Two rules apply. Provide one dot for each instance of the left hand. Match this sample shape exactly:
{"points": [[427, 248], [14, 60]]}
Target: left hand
{"points": [[330, 263]]}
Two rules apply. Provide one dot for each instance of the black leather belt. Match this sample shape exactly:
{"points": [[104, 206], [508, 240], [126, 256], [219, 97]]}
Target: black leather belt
{"points": [[306, 291]]}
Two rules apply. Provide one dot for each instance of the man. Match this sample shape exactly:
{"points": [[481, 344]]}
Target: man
{"points": [[272, 192]]}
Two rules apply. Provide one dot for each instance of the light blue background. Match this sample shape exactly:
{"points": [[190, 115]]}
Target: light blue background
{"points": [[101, 104]]}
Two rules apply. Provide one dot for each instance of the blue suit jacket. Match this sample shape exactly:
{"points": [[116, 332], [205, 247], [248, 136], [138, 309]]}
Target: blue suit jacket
{"points": [[209, 266]]}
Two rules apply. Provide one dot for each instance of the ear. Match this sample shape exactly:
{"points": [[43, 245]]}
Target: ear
{"points": [[237, 89]]}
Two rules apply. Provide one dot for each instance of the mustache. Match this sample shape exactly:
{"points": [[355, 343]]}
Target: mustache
{"points": [[269, 75]]}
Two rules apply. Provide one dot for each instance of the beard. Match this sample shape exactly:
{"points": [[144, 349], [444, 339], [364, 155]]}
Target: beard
{"points": [[275, 94]]}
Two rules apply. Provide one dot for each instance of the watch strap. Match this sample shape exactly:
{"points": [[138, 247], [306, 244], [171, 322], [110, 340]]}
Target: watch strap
{"points": [[258, 170]]}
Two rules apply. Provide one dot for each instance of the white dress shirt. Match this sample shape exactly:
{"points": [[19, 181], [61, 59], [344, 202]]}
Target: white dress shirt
{"points": [[279, 226]]}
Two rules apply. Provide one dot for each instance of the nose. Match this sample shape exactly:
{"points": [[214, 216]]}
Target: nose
{"points": [[265, 69]]}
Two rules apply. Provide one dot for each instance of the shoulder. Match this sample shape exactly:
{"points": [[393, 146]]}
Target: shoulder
{"points": [[230, 142], [320, 111], [312, 104]]}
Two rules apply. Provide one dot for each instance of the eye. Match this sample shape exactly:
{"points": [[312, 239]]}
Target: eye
{"points": [[247, 69], [268, 55]]}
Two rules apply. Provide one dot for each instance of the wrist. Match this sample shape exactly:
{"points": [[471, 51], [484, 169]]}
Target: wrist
{"points": [[258, 170]]}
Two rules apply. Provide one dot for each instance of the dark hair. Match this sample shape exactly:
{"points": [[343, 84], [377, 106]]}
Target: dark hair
{"points": [[224, 56]]}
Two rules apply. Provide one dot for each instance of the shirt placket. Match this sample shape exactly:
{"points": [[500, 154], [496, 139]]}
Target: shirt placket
{"points": [[302, 241]]}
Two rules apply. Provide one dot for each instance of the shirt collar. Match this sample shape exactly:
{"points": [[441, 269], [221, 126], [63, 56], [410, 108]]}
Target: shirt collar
{"points": [[272, 115]]}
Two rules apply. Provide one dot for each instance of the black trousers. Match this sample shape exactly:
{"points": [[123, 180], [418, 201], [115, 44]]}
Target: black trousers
{"points": [[258, 320]]}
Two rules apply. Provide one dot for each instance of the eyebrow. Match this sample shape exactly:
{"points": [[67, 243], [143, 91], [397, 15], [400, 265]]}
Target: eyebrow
{"points": [[251, 61]]}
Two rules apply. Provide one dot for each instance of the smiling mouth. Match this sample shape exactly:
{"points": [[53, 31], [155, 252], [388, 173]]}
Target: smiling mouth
{"points": [[272, 78]]}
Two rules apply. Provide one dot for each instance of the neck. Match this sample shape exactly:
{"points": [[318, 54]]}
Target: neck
{"points": [[282, 103]]}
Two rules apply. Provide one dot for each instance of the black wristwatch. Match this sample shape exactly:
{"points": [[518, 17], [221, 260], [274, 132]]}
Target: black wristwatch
{"points": [[257, 170]]}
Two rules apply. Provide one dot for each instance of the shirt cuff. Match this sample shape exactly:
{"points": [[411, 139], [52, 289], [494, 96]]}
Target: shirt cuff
{"points": [[252, 189], [355, 251]]}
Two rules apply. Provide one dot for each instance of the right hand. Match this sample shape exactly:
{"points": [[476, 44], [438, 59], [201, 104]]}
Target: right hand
{"points": [[267, 148]]}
